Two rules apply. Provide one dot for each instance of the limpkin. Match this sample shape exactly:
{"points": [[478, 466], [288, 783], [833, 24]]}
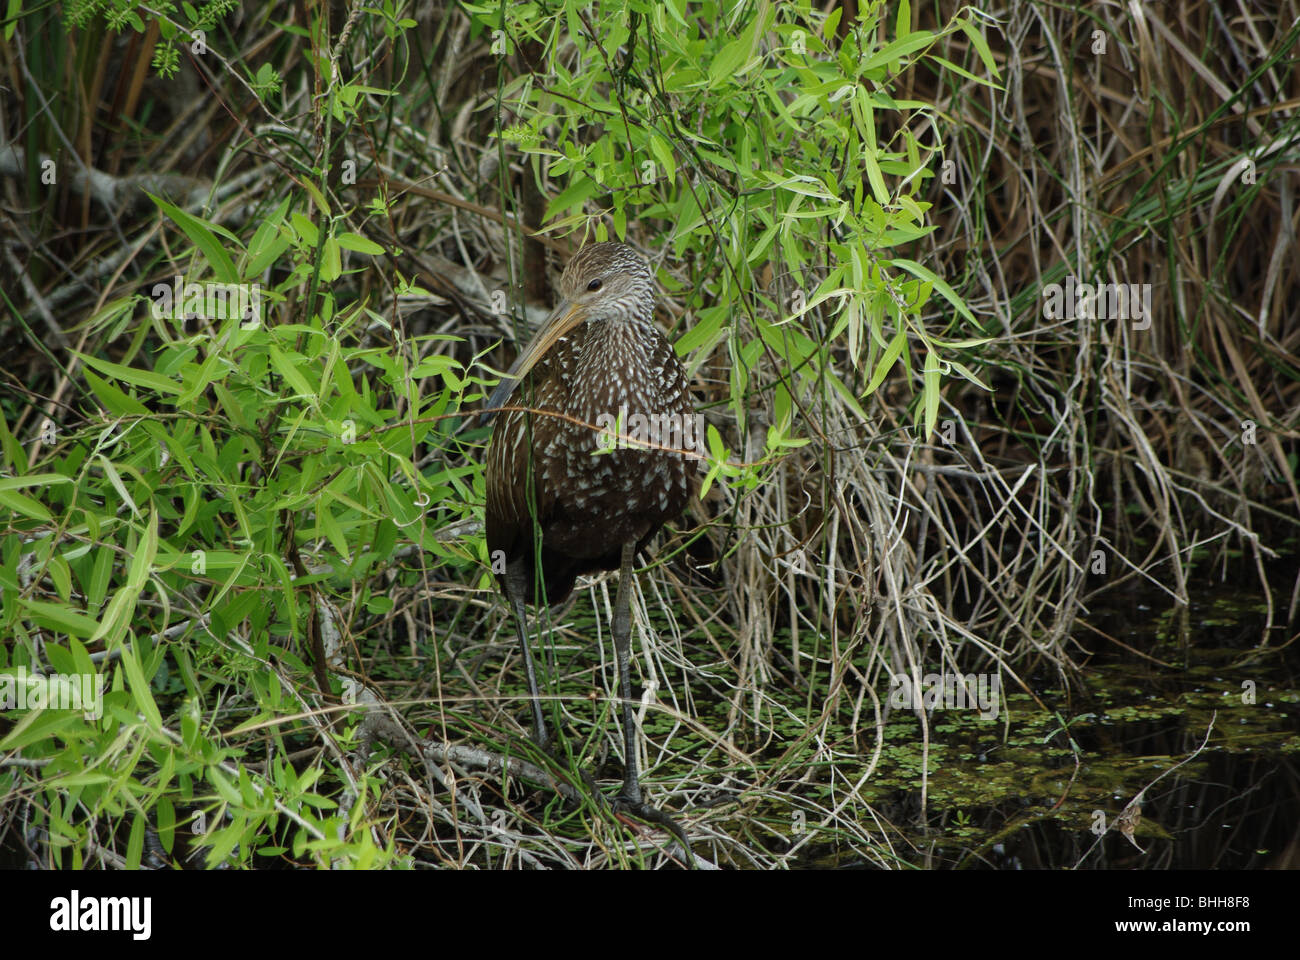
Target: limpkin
{"points": [[551, 497]]}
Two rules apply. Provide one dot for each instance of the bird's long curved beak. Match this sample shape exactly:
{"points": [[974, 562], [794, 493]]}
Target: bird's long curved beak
{"points": [[563, 319]]}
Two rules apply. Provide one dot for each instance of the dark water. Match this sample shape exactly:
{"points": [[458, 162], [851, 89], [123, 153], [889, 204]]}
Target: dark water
{"points": [[1045, 784]]}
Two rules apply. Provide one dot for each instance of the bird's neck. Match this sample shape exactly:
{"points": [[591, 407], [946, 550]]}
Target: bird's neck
{"points": [[636, 336], [612, 366]]}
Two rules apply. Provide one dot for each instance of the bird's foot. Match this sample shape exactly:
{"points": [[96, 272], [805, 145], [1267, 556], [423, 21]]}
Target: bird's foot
{"points": [[629, 803], [625, 803]]}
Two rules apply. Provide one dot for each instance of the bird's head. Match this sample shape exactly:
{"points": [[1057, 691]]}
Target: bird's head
{"points": [[603, 281], [606, 281]]}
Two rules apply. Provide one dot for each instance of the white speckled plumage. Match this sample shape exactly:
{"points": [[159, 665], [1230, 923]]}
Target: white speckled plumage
{"points": [[615, 360]]}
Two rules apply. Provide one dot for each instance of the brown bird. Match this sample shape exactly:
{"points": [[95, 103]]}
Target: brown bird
{"points": [[556, 508]]}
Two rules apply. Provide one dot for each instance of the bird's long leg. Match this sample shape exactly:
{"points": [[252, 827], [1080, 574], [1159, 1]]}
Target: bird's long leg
{"points": [[516, 578], [622, 631], [629, 798]]}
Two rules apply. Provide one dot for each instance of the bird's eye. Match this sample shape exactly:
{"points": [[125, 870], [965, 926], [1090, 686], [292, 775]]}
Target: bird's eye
{"points": [[595, 285]]}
